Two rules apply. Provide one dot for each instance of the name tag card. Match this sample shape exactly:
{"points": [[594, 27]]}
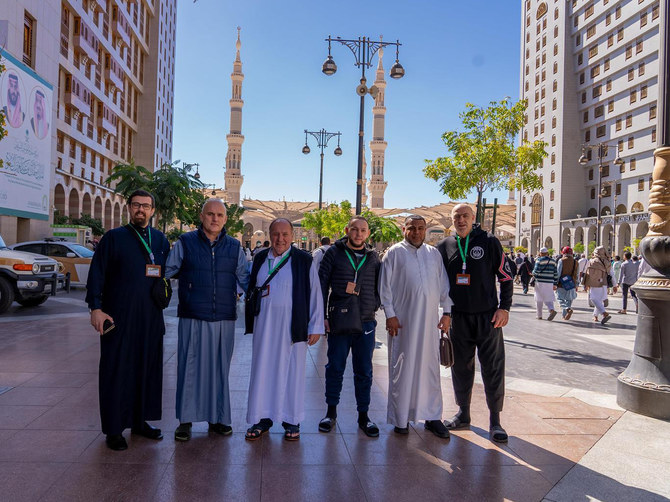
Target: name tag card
{"points": [[153, 271], [462, 279], [352, 288], [265, 291]]}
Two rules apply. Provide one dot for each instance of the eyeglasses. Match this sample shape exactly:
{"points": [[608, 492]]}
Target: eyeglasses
{"points": [[137, 205]]}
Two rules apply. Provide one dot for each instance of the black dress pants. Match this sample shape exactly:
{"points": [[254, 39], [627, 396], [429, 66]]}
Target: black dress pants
{"points": [[470, 332]]}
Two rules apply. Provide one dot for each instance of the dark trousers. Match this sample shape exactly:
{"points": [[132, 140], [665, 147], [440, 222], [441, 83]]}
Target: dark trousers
{"points": [[625, 288], [470, 332], [361, 347]]}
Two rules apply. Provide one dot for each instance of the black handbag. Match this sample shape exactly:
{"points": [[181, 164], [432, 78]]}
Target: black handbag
{"points": [[446, 350], [345, 317]]}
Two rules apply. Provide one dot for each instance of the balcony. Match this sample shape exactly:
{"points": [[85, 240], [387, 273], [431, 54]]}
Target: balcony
{"points": [[120, 26], [99, 5], [77, 96], [106, 120], [85, 41], [113, 72]]}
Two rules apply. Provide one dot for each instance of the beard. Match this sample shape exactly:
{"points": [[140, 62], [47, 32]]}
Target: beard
{"points": [[12, 98]]}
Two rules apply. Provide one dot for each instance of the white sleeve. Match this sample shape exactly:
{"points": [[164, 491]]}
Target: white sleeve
{"points": [[385, 287], [316, 314]]}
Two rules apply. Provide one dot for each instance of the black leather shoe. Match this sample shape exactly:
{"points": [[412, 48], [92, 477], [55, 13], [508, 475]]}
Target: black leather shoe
{"points": [[116, 442], [437, 428], [183, 432], [148, 431], [401, 430], [224, 430]]}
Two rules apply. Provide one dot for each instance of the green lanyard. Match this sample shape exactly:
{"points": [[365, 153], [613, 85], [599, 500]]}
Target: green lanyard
{"points": [[356, 269], [148, 248], [464, 254], [270, 260]]}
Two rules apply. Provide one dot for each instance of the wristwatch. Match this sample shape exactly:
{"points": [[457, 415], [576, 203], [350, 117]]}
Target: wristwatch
{"points": [[448, 314]]}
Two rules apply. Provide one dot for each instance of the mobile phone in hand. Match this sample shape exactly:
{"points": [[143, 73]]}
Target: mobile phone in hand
{"points": [[107, 326]]}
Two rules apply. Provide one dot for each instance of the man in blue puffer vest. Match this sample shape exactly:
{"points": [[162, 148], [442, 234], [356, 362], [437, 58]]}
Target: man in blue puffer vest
{"points": [[209, 265]]}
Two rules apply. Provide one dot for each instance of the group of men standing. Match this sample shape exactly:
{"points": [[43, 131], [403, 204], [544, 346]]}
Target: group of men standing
{"points": [[291, 300]]}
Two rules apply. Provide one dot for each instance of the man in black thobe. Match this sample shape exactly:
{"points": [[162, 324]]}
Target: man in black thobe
{"points": [[131, 353]]}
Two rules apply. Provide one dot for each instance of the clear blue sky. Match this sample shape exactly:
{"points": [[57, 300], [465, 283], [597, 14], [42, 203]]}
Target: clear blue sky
{"points": [[453, 52]]}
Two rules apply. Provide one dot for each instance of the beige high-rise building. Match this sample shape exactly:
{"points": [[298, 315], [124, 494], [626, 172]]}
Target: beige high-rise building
{"points": [[111, 65], [235, 138], [589, 70]]}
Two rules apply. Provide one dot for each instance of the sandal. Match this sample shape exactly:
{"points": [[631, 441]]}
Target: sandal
{"points": [[568, 315], [370, 428], [498, 434], [606, 318], [327, 424], [257, 430], [455, 423], [291, 432]]}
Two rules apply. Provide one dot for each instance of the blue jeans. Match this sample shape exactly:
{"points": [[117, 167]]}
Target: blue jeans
{"points": [[361, 347]]}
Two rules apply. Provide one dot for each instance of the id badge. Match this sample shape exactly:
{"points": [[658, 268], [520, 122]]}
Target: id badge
{"points": [[462, 279], [265, 291], [153, 271], [352, 288]]}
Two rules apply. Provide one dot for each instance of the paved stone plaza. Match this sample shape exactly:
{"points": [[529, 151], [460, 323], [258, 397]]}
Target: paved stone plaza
{"points": [[568, 439]]}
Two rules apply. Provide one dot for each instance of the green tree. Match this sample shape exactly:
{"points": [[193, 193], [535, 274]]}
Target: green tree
{"points": [[591, 247], [579, 247], [521, 249], [382, 230], [234, 224], [484, 157], [330, 221], [88, 221], [128, 178]]}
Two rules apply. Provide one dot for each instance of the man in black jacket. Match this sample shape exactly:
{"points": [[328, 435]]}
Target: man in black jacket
{"points": [[473, 259], [350, 272]]}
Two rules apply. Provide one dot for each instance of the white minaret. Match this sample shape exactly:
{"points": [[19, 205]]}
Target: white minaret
{"points": [[377, 185], [235, 139]]}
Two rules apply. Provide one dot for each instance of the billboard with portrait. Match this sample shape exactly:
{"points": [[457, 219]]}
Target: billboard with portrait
{"points": [[25, 178]]}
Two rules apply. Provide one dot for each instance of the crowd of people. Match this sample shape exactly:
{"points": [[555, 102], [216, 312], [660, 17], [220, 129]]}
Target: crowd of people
{"points": [[292, 299], [559, 279]]}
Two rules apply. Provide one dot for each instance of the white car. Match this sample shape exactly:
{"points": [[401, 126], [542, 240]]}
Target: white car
{"points": [[75, 258]]}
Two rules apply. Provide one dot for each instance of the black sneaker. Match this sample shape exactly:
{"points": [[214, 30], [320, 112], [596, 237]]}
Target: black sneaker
{"points": [[224, 430], [437, 428]]}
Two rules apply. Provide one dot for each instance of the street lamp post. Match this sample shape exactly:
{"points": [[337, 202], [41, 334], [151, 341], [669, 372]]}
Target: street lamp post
{"points": [[322, 138], [602, 151], [187, 167], [363, 50], [612, 192]]}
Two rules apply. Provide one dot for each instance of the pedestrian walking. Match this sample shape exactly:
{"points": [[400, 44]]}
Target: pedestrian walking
{"points": [[210, 265], [629, 271], [349, 276], [413, 284], [284, 311], [567, 271], [597, 279], [128, 264], [583, 263], [317, 254], [546, 277], [474, 259]]}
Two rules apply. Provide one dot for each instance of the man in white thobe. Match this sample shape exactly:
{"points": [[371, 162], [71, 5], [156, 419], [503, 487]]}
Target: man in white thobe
{"points": [[413, 282], [290, 318]]}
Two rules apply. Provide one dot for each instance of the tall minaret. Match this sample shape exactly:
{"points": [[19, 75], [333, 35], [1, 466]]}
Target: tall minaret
{"points": [[235, 139], [364, 176], [377, 185]]}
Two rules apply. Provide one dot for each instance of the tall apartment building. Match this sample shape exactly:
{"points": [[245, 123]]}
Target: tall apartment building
{"points": [[589, 70], [111, 65]]}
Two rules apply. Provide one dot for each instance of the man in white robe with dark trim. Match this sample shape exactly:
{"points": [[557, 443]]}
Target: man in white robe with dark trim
{"points": [[413, 284], [290, 318]]}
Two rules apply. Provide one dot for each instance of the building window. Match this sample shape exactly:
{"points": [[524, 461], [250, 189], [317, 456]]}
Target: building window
{"points": [[631, 74], [620, 145], [593, 193], [639, 46], [629, 52], [608, 85], [28, 40], [617, 12], [553, 104], [629, 121], [581, 78], [555, 86], [593, 51], [553, 158], [610, 105], [599, 111], [591, 174], [610, 40], [597, 91], [654, 12], [653, 135], [643, 19], [605, 171], [584, 97], [586, 116], [590, 31], [618, 124], [608, 19], [633, 164], [553, 122], [580, 58], [651, 182], [633, 95], [555, 49], [589, 11], [601, 131], [587, 135], [523, 217], [640, 69], [606, 64], [595, 71], [553, 176], [551, 213], [631, 142], [640, 185], [643, 92], [619, 35], [553, 140], [555, 31], [652, 112]]}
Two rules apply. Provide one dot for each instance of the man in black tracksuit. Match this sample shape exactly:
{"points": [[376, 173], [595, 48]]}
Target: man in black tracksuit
{"points": [[473, 259], [349, 271]]}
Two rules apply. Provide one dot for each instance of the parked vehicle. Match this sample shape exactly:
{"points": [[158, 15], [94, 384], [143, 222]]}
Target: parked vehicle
{"points": [[76, 259], [25, 277]]}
